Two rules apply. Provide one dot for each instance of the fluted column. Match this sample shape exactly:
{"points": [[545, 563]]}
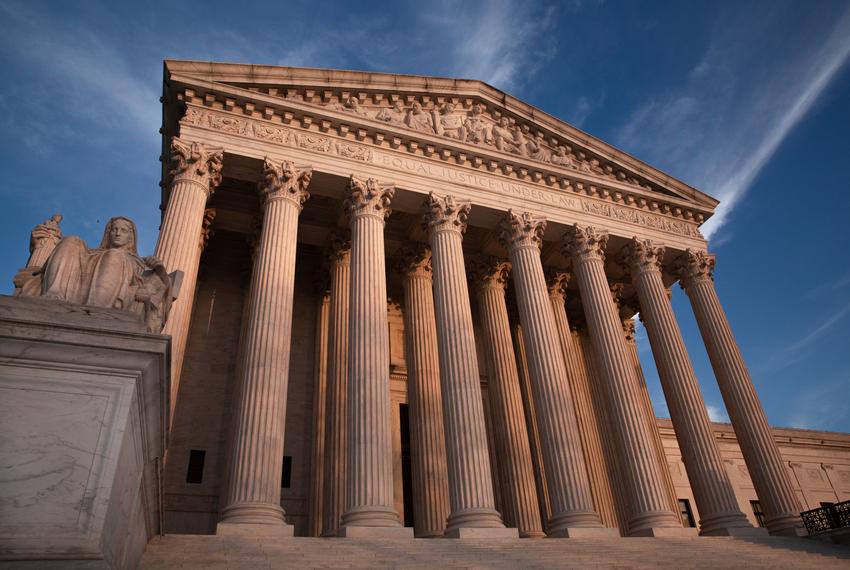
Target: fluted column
{"points": [[587, 422], [566, 474], [516, 472], [606, 430], [473, 509], [767, 470], [370, 509], [320, 385], [339, 261], [713, 492], [530, 420], [650, 509], [253, 492], [195, 174], [427, 436]]}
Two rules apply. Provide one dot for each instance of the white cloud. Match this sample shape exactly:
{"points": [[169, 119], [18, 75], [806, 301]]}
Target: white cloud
{"points": [[717, 413], [724, 123]]}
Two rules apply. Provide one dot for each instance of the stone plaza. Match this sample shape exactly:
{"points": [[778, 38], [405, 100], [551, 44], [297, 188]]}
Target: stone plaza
{"points": [[401, 306]]}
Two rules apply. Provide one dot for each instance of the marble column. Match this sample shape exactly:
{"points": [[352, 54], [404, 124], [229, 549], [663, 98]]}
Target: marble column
{"points": [[195, 174], [320, 385], [339, 264], [519, 495], [761, 454], [713, 492], [253, 490], [370, 510], [544, 506], [587, 422], [473, 509], [650, 512], [606, 431], [427, 437], [566, 474]]}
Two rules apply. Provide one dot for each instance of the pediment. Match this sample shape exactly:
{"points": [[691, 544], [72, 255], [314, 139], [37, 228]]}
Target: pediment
{"points": [[465, 119]]}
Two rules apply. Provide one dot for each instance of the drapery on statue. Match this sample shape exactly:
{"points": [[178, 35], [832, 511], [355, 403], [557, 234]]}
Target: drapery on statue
{"points": [[110, 275]]}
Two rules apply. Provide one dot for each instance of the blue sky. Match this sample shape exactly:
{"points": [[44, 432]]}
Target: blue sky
{"points": [[747, 101]]}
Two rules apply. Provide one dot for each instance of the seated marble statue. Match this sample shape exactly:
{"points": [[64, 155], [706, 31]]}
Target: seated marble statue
{"points": [[111, 275]]}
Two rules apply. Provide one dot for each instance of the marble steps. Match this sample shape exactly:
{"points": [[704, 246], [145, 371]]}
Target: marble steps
{"points": [[212, 553]]}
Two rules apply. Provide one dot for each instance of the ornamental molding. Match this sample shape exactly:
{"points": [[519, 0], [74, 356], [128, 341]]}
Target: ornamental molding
{"points": [[552, 190], [469, 112]]}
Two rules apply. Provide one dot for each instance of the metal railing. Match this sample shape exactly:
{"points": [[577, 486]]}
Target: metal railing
{"points": [[827, 518]]}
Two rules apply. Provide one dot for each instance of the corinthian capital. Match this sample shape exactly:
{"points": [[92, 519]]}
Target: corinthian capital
{"points": [[694, 266], [521, 230], [556, 283], [487, 271], [368, 198], [339, 248], [641, 255], [446, 213], [584, 243], [285, 181], [196, 161], [414, 261]]}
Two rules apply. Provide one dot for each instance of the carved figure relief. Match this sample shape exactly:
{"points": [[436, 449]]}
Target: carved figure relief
{"points": [[477, 126], [111, 275]]}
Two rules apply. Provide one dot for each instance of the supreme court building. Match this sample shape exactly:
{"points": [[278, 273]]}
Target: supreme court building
{"points": [[408, 302]]}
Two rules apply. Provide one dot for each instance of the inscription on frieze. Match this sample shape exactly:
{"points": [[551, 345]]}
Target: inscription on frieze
{"points": [[459, 176]]}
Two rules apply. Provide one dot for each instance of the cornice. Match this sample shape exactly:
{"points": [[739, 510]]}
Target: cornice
{"points": [[243, 84]]}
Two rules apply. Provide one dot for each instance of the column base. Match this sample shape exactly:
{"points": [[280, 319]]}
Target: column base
{"points": [[737, 532], [253, 513], [473, 533], [585, 532], [474, 518], [532, 534], [665, 532], [375, 532], [785, 525], [250, 530]]}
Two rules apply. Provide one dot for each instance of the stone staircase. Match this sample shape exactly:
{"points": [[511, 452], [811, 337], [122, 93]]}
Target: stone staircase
{"points": [[239, 552]]}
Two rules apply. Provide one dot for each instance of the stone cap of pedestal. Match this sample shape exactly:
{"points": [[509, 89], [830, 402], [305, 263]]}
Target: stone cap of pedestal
{"points": [[55, 332]]}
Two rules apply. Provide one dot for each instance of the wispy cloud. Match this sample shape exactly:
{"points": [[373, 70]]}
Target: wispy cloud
{"points": [[722, 125], [717, 413], [799, 349]]}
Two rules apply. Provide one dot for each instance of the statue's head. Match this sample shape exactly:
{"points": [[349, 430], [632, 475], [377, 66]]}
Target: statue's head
{"points": [[119, 233], [398, 105]]}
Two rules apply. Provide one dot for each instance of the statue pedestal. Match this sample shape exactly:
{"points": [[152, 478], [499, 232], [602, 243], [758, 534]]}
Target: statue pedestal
{"points": [[83, 418]]}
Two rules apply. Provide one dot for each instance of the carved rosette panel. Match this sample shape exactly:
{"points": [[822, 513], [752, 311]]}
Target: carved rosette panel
{"points": [[415, 261], [285, 181], [368, 198], [446, 213], [695, 266], [521, 230], [197, 162], [489, 272], [585, 243], [642, 255], [556, 283]]}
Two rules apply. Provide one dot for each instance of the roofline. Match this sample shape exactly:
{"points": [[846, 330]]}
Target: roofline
{"points": [[244, 73]]}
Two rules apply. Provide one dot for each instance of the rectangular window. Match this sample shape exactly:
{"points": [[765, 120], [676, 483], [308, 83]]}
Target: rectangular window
{"points": [[686, 513], [286, 472], [195, 471], [759, 514]]}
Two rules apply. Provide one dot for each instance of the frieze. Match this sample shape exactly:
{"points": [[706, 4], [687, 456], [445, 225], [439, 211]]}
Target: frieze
{"points": [[262, 130], [641, 218], [459, 176], [282, 135]]}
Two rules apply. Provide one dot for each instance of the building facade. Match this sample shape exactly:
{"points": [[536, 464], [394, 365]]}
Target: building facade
{"points": [[413, 307]]}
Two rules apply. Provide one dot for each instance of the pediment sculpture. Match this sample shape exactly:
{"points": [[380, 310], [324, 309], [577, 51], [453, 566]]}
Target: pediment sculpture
{"points": [[111, 275], [479, 126]]}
